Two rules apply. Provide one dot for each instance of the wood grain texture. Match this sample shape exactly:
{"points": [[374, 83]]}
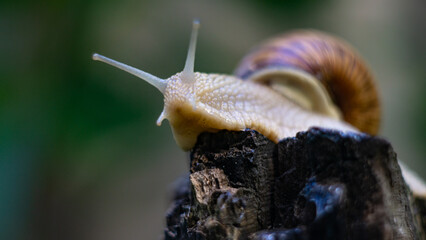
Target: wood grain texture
{"points": [[321, 184]]}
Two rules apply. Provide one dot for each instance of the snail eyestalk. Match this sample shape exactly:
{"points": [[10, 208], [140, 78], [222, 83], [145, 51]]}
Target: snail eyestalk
{"points": [[157, 82], [188, 71]]}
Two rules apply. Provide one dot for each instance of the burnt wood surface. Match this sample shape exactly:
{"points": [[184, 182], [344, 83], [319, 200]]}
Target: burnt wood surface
{"points": [[321, 184]]}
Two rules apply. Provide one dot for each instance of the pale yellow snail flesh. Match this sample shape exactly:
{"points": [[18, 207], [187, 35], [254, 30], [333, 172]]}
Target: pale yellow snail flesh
{"points": [[199, 102]]}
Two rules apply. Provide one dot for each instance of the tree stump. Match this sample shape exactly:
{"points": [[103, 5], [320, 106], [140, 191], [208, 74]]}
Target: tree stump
{"points": [[320, 184]]}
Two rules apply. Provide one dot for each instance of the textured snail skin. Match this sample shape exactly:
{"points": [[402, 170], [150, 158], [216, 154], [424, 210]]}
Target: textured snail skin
{"points": [[199, 102], [214, 102], [330, 60]]}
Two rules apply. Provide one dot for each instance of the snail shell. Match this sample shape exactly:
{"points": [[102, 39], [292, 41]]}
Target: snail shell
{"points": [[301, 59]]}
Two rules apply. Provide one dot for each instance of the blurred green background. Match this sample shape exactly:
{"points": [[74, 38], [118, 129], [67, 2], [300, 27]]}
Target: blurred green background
{"points": [[80, 154]]}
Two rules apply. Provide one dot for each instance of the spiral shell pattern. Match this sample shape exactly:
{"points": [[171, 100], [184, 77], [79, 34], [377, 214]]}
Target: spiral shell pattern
{"points": [[330, 60]]}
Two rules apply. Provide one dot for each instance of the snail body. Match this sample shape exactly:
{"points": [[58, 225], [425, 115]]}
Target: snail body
{"points": [[214, 102], [199, 102]]}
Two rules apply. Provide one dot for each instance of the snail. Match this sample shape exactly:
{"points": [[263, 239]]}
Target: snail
{"points": [[284, 86]]}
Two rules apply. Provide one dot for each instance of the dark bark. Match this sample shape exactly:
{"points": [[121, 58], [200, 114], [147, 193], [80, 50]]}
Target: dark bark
{"points": [[321, 184]]}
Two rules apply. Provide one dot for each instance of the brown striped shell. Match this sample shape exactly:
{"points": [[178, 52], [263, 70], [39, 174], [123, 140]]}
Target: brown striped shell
{"points": [[328, 59]]}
